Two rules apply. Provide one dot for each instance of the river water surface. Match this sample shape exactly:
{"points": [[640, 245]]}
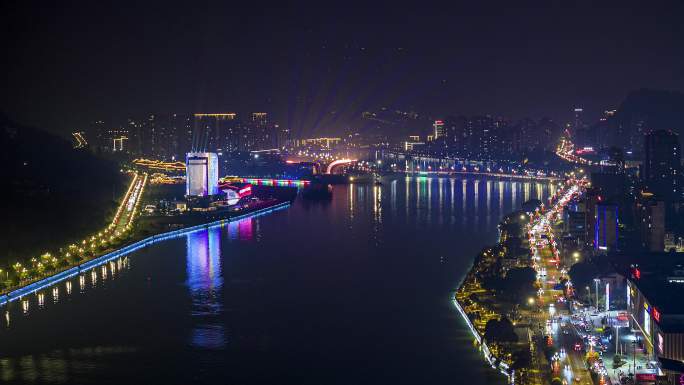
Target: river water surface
{"points": [[352, 291]]}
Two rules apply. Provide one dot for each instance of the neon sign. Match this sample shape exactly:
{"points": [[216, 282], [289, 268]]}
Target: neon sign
{"points": [[245, 191], [645, 377], [655, 313]]}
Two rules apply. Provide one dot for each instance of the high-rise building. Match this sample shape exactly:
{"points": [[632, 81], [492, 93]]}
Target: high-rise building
{"points": [[215, 132], [661, 168], [181, 127], [575, 221], [438, 127], [578, 122], [591, 198], [606, 226], [135, 134], [259, 133], [457, 132], [650, 214], [118, 143], [150, 137], [112, 139], [105, 135], [201, 174], [484, 138]]}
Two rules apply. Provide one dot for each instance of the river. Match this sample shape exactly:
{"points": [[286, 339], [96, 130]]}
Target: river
{"points": [[352, 291]]}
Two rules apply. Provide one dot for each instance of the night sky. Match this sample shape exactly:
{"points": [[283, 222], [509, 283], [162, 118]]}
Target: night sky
{"points": [[322, 65]]}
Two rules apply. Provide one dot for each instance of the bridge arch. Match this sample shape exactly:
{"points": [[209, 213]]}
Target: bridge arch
{"points": [[338, 162]]}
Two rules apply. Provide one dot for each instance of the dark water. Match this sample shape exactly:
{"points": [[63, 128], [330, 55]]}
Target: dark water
{"points": [[354, 291]]}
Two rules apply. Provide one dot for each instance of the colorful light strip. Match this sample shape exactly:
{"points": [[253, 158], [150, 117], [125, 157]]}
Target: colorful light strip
{"points": [[275, 182], [76, 270]]}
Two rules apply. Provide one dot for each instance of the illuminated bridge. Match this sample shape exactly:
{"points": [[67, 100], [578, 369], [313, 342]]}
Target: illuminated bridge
{"points": [[490, 174], [267, 181], [337, 163]]}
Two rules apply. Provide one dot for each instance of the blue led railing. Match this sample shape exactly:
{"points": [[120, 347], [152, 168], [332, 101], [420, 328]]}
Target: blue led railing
{"points": [[73, 271]]}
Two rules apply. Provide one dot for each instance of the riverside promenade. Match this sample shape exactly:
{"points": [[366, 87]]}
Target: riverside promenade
{"points": [[95, 262], [478, 305]]}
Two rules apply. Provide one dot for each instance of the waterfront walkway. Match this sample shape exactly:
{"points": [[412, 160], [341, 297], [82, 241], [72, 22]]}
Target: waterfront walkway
{"points": [[544, 312], [40, 284]]}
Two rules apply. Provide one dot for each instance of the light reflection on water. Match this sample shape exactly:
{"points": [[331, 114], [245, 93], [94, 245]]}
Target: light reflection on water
{"points": [[195, 280], [205, 280], [204, 283], [56, 366], [98, 276]]}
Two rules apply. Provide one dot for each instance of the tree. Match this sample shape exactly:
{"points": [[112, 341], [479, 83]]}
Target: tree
{"points": [[591, 357], [500, 331], [582, 274], [617, 361], [521, 359], [518, 283]]}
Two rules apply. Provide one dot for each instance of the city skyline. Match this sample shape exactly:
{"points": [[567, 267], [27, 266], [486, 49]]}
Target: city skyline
{"points": [[325, 66], [342, 193]]}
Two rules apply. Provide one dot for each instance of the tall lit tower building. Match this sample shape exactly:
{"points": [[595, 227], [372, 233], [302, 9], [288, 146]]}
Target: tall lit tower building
{"points": [[215, 132], [606, 226], [438, 129], [662, 159], [578, 123], [260, 135], [201, 174]]}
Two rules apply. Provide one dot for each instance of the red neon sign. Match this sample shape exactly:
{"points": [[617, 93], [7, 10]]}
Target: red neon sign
{"points": [[655, 313], [645, 377], [245, 191]]}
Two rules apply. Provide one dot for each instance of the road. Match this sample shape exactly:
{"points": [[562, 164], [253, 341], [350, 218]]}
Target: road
{"points": [[551, 313]]}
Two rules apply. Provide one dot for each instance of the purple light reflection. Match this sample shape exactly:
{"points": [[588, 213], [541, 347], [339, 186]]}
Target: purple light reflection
{"points": [[204, 281]]}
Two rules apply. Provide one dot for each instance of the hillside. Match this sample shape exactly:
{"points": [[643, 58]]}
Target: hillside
{"points": [[53, 193], [658, 109]]}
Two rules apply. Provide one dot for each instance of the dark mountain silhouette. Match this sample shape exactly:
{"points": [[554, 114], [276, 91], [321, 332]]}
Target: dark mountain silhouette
{"points": [[658, 109], [53, 193]]}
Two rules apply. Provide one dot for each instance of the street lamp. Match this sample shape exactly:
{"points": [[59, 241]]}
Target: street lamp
{"points": [[589, 294], [596, 282], [634, 343]]}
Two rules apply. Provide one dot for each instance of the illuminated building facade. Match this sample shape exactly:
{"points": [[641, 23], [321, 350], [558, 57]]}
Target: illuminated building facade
{"points": [[438, 127], [201, 174], [606, 226], [410, 146], [658, 318], [650, 213], [662, 157], [216, 132], [319, 142], [236, 192]]}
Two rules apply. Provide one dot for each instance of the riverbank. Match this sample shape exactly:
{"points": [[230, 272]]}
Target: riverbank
{"points": [[17, 292], [479, 305], [348, 274], [498, 298], [117, 234]]}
